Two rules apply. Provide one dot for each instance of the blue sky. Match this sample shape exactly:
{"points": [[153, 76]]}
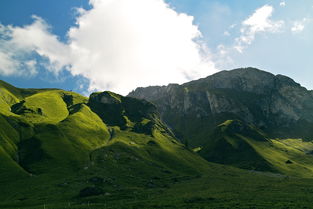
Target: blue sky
{"points": [[120, 44]]}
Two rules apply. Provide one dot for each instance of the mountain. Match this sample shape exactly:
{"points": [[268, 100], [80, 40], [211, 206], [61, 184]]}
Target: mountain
{"points": [[273, 105], [60, 142], [59, 149]]}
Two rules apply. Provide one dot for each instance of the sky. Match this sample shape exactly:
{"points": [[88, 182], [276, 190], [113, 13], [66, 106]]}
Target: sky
{"points": [[118, 45]]}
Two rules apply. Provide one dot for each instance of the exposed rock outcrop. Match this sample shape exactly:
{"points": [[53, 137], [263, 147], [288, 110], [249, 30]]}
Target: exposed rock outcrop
{"points": [[275, 104]]}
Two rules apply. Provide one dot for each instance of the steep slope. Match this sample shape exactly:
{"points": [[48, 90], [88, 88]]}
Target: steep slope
{"points": [[58, 145], [275, 104]]}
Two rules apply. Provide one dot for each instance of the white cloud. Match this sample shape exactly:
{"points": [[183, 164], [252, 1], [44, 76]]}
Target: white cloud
{"points": [[282, 4], [221, 49], [31, 66], [9, 53], [298, 26], [7, 66], [19, 44], [118, 45], [37, 38], [259, 21]]}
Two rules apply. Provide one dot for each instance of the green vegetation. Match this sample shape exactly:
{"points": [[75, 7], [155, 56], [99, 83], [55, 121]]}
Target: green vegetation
{"points": [[231, 144], [289, 156], [59, 149], [245, 146], [54, 144]]}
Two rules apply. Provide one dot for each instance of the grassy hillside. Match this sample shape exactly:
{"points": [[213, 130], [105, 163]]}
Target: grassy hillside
{"points": [[57, 145], [59, 149], [230, 144], [236, 143], [289, 156]]}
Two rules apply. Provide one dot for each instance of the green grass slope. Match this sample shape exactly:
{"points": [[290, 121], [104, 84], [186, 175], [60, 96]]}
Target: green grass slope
{"points": [[59, 146], [230, 144], [9, 95], [59, 149], [291, 157], [244, 146]]}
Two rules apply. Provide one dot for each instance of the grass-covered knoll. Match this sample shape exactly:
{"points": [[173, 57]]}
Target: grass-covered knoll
{"points": [[24, 116], [47, 106]]}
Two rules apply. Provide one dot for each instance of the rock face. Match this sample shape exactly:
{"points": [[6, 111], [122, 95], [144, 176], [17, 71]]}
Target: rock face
{"points": [[275, 104]]}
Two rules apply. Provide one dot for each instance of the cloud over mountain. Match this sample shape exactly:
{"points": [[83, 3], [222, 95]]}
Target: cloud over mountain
{"points": [[118, 45], [259, 21]]}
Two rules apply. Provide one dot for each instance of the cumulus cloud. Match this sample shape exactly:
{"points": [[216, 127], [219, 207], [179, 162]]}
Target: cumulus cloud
{"points": [[20, 44], [12, 57], [282, 4], [118, 45], [259, 21]]}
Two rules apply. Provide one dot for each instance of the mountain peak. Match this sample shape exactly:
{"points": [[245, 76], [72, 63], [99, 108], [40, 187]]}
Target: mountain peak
{"points": [[274, 103], [245, 79]]}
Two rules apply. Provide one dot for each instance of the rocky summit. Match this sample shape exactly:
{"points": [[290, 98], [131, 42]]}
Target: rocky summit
{"points": [[273, 103]]}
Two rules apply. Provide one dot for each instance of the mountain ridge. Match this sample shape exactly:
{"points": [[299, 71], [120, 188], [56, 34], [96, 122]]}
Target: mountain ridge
{"points": [[59, 149], [273, 104], [223, 72], [275, 97]]}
